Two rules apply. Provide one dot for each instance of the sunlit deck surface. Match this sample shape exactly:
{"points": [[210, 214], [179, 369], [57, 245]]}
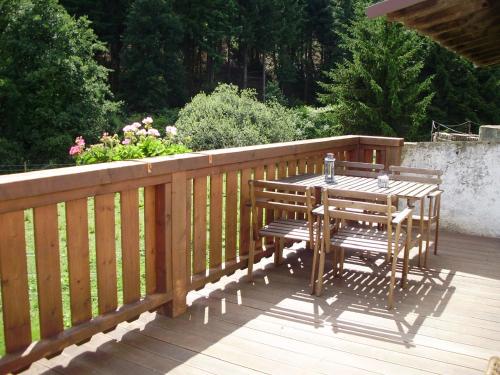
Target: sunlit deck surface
{"points": [[446, 322]]}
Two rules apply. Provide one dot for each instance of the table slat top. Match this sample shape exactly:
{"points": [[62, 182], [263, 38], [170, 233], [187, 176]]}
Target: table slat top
{"points": [[401, 189]]}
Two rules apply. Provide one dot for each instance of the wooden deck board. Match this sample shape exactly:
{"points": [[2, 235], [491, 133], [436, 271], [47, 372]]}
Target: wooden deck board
{"points": [[446, 322]]}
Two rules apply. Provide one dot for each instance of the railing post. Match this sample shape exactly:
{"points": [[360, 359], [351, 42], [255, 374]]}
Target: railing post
{"points": [[179, 244], [393, 156]]}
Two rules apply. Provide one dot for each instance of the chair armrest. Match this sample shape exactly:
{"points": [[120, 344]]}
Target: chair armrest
{"points": [[435, 194], [401, 216]]}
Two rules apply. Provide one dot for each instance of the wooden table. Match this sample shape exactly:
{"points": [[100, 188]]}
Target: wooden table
{"points": [[411, 191]]}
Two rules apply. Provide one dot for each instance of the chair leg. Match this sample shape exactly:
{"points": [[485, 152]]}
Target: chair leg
{"points": [[390, 297], [277, 251], [421, 232], [251, 256], [427, 242], [321, 269], [436, 236], [335, 257], [404, 277], [341, 262]]}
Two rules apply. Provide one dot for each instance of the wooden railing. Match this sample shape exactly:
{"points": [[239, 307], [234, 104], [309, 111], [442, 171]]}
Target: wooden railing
{"points": [[183, 221]]}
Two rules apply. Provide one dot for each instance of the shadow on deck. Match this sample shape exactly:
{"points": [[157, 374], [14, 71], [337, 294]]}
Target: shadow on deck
{"points": [[446, 321]]}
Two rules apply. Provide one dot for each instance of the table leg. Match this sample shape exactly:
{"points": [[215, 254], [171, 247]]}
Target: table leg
{"points": [[317, 243]]}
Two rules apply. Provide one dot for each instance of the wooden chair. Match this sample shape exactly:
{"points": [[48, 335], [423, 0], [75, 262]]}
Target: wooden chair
{"points": [[345, 207], [351, 168], [287, 201], [431, 218]]}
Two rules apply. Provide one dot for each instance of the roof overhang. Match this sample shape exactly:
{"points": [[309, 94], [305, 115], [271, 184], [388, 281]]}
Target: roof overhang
{"points": [[471, 28]]}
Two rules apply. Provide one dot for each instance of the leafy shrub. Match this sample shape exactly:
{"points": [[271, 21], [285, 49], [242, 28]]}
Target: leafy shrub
{"points": [[318, 122], [139, 141], [230, 118]]}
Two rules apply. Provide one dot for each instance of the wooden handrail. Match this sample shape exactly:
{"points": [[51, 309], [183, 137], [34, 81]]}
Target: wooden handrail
{"points": [[174, 191]]}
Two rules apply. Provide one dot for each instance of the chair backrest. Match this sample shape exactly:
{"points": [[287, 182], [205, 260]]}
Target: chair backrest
{"points": [[351, 168], [281, 197], [357, 206], [424, 175]]}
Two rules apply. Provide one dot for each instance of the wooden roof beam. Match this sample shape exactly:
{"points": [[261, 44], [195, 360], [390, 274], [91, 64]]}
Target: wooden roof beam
{"points": [[444, 15], [388, 6]]}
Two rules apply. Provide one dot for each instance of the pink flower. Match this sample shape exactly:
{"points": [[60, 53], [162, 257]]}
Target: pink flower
{"points": [[128, 128], [126, 141], [75, 150], [142, 132], [79, 141], [171, 130], [153, 132], [136, 125], [148, 120]]}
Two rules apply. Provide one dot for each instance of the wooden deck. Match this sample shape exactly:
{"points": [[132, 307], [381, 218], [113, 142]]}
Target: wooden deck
{"points": [[446, 322]]}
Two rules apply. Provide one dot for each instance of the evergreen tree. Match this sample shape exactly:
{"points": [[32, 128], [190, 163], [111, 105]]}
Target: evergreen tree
{"points": [[152, 74], [379, 89], [51, 88]]}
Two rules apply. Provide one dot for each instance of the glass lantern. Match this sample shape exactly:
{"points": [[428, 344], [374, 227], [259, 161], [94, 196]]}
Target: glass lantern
{"points": [[330, 168]]}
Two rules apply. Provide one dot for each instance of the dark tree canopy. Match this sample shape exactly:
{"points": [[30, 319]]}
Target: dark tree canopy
{"points": [[152, 75]]}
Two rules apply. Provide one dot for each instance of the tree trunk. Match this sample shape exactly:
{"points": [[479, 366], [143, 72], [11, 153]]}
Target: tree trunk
{"points": [[263, 76], [245, 67]]}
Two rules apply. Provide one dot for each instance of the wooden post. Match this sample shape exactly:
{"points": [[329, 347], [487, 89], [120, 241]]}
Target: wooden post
{"points": [[393, 156], [179, 250], [162, 256]]}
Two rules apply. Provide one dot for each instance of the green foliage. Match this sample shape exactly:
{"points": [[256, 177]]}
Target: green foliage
{"points": [[462, 92], [51, 88], [317, 123], [379, 89], [152, 76], [229, 118], [274, 93]]}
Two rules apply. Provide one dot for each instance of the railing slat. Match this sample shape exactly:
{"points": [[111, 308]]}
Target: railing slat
{"points": [[215, 220], [231, 214], [14, 276], [48, 270], [105, 252], [246, 174], [150, 238], [77, 237], [129, 211], [200, 225]]}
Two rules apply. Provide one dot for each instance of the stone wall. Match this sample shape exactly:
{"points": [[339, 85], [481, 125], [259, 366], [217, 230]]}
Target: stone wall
{"points": [[471, 183]]}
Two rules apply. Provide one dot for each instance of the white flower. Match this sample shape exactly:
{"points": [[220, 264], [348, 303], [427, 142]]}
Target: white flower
{"points": [[142, 132], [136, 125], [171, 130], [153, 132], [128, 128], [148, 120]]}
